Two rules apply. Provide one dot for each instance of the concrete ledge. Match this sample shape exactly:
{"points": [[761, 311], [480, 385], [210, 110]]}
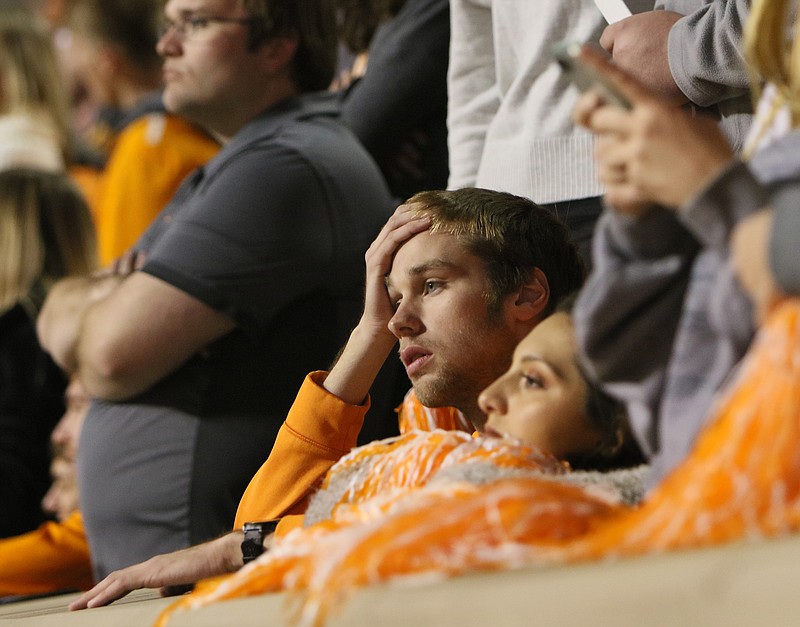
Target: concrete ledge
{"points": [[742, 584]]}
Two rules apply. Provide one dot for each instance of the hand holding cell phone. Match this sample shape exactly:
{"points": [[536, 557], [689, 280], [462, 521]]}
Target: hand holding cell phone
{"points": [[648, 151], [584, 76]]}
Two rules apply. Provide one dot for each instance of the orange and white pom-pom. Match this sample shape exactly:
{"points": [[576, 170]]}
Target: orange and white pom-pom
{"points": [[414, 416]]}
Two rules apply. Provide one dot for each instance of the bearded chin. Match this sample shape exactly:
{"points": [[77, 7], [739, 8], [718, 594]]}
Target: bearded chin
{"points": [[448, 389]]}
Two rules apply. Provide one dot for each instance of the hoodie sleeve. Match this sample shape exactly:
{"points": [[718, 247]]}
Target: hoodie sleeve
{"points": [[705, 51]]}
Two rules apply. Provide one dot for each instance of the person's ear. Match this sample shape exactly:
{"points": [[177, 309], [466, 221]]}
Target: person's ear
{"points": [[279, 52], [532, 297]]}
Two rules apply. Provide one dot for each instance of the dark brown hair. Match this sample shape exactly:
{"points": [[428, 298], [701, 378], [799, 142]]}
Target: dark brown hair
{"points": [[617, 447], [131, 25], [313, 22]]}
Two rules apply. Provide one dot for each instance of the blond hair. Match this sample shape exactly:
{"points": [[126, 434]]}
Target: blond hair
{"points": [[46, 232], [30, 79], [772, 51]]}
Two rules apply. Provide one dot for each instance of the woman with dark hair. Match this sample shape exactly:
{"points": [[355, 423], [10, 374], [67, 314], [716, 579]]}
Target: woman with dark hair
{"points": [[147, 151], [546, 400]]}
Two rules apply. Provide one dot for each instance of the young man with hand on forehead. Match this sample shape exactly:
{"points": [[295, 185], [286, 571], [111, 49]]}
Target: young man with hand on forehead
{"points": [[455, 280]]}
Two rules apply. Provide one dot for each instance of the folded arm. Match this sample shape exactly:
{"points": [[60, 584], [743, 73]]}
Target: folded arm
{"points": [[660, 48], [124, 335]]}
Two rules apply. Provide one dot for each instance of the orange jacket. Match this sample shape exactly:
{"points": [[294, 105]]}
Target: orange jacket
{"points": [[53, 557], [318, 431]]}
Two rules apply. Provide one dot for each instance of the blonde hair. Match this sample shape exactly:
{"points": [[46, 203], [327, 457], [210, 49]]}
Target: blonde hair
{"points": [[46, 232], [30, 79], [772, 49]]}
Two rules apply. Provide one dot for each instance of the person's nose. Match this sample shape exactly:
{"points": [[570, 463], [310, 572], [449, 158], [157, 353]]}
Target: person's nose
{"points": [[50, 500], [493, 400], [60, 434], [406, 321], [64, 437], [168, 45]]}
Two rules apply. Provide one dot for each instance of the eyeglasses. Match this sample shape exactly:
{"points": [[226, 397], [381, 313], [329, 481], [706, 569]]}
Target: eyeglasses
{"points": [[191, 26]]}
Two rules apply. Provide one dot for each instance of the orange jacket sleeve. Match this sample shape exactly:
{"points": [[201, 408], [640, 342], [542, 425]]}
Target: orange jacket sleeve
{"points": [[318, 431], [150, 159], [53, 557]]}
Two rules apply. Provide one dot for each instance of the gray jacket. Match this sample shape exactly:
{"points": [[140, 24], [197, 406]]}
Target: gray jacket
{"points": [[662, 321], [785, 239], [706, 60]]}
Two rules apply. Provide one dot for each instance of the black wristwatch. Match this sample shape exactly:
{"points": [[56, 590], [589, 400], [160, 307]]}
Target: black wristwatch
{"points": [[254, 534]]}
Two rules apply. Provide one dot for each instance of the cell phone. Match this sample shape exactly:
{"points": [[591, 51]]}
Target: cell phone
{"points": [[584, 76]]}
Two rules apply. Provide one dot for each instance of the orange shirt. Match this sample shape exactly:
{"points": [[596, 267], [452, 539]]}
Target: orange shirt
{"points": [[53, 557], [319, 430], [150, 159]]}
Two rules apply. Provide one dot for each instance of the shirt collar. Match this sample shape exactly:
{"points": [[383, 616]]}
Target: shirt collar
{"points": [[271, 121]]}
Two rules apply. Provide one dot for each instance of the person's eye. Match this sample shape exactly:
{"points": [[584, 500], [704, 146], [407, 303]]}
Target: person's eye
{"points": [[394, 299], [532, 381], [432, 286], [196, 23]]}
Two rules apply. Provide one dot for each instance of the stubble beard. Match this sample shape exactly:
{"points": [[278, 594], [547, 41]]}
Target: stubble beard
{"points": [[449, 388], [459, 384]]}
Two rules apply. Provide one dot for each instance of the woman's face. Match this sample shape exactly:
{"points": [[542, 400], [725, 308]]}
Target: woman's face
{"points": [[541, 399]]}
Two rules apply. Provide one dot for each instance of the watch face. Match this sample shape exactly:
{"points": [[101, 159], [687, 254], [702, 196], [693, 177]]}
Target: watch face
{"points": [[251, 549], [254, 534]]}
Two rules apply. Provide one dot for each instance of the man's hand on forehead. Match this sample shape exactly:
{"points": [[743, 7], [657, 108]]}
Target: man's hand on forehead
{"points": [[371, 342], [404, 224]]}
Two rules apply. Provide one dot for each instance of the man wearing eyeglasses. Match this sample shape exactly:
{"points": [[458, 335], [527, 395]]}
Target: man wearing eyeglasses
{"points": [[194, 345]]}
